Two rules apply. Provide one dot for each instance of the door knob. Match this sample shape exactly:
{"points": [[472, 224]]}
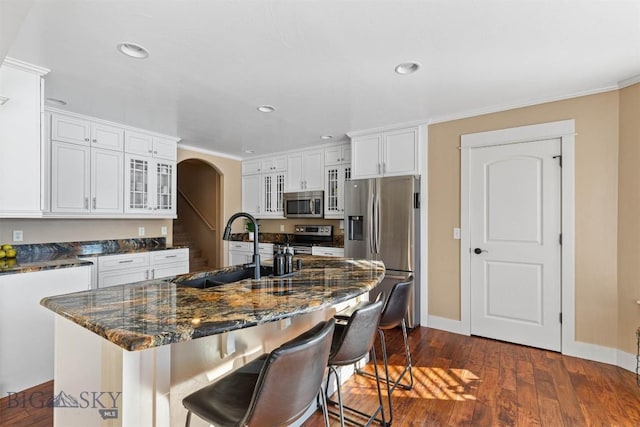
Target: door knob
{"points": [[478, 251]]}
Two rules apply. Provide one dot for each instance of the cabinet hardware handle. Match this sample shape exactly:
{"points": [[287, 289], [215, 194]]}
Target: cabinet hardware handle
{"points": [[86, 203], [170, 256], [150, 151], [146, 274], [86, 139], [155, 152], [95, 140], [153, 273], [379, 168], [384, 167], [94, 203], [125, 261]]}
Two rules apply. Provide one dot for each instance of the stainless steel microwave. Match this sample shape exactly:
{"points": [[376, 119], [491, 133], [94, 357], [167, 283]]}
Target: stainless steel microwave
{"points": [[304, 204]]}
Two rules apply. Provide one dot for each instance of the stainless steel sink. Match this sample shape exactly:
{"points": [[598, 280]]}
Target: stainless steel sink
{"points": [[225, 277]]}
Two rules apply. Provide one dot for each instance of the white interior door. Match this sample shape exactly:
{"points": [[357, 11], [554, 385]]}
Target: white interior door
{"points": [[515, 226]]}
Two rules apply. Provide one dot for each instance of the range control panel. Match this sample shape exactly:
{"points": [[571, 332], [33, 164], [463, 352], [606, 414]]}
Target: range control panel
{"points": [[313, 230]]}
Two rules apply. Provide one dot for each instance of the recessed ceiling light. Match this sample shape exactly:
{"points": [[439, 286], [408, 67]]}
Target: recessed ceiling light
{"points": [[133, 50], [249, 151], [55, 101], [407, 67], [266, 109], [326, 136]]}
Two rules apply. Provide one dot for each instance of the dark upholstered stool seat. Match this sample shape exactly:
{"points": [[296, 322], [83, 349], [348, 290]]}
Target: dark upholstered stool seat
{"points": [[273, 390]]}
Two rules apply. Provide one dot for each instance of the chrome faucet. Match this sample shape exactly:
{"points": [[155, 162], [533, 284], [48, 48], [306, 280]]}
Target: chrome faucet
{"points": [[256, 255]]}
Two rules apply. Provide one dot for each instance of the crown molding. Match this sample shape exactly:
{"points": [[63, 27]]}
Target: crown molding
{"points": [[25, 66], [507, 107], [628, 82]]}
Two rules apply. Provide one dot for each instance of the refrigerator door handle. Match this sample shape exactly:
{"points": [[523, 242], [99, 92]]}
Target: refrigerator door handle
{"points": [[372, 216], [377, 220]]}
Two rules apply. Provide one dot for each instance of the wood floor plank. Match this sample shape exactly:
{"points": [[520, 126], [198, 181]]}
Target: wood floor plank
{"points": [[467, 381]]}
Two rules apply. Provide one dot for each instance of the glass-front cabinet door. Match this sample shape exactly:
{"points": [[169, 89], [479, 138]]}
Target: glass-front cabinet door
{"points": [[335, 176], [137, 197], [273, 186], [165, 186], [150, 185]]}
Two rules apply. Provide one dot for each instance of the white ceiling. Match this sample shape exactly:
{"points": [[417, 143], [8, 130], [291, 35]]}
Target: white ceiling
{"points": [[326, 65]]}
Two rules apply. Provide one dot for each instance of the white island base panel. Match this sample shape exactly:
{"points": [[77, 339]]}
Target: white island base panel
{"points": [[99, 384]]}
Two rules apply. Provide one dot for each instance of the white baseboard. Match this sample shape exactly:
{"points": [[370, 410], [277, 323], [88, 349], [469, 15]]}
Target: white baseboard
{"points": [[594, 352], [627, 361], [449, 325]]}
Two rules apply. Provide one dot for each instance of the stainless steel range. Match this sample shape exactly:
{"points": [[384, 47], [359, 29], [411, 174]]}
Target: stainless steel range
{"points": [[306, 236]]}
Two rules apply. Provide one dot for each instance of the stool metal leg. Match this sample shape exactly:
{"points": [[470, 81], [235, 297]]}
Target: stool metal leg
{"points": [[342, 407], [407, 368]]}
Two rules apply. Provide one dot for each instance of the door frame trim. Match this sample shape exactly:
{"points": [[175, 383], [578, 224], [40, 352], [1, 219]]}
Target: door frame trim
{"points": [[565, 130]]}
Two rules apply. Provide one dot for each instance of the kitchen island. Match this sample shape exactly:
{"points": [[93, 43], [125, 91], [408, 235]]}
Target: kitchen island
{"points": [[127, 355]]}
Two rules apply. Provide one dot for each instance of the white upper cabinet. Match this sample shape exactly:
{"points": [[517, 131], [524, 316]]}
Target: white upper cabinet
{"points": [[273, 164], [251, 194], [21, 160], [334, 178], [84, 132], [150, 186], [91, 175], [389, 153], [250, 167], [305, 171], [107, 137], [366, 156], [85, 179], [337, 155], [70, 129], [149, 145], [263, 186]]}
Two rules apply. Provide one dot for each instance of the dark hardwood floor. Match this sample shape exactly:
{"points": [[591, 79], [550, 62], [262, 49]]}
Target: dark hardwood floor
{"points": [[471, 381], [463, 381]]}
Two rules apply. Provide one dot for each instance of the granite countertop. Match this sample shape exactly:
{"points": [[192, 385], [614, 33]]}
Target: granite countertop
{"points": [[160, 312], [49, 256]]}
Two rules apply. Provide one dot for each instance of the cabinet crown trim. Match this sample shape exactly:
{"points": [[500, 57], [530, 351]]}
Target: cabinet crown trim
{"points": [[399, 126], [25, 66], [109, 123]]}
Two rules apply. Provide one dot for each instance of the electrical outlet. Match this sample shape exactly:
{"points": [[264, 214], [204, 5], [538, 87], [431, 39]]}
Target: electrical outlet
{"points": [[456, 233], [17, 235], [281, 227], [140, 231], [163, 231]]}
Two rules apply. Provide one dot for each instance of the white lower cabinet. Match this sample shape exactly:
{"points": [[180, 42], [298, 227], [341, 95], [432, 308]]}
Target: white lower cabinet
{"points": [[130, 268], [242, 252], [327, 251], [27, 328]]}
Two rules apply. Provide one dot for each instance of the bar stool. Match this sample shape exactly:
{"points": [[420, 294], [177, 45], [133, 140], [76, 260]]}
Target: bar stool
{"points": [[393, 314], [352, 341], [274, 390]]}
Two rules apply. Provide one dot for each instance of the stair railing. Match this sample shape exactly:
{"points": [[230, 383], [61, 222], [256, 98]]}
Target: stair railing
{"points": [[196, 210]]}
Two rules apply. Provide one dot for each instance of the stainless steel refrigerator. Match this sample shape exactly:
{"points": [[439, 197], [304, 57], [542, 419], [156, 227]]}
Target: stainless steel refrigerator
{"points": [[382, 222]]}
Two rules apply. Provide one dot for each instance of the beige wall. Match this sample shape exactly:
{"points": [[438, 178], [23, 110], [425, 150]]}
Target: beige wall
{"points": [[629, 219], [596, 296], [73, 230], [231, 183]]}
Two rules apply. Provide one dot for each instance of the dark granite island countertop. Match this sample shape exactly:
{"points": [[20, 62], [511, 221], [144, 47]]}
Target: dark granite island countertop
{"points": [[160, 312]]}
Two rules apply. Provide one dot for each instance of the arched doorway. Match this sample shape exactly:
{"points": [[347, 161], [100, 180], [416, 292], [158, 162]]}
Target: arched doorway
{"points": [[199, 214]]}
